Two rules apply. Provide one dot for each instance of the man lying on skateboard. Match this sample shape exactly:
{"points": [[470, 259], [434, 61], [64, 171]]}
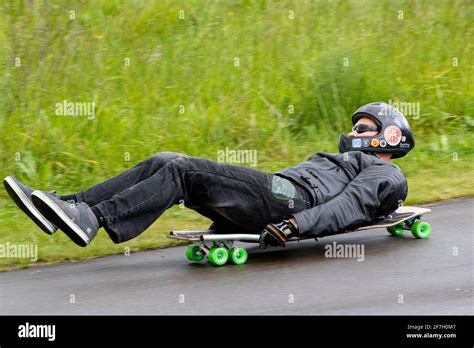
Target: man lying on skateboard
{"points": [[326, 194]]}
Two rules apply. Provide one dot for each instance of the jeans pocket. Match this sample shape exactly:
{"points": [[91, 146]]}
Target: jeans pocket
{"points": [[282, 188]]}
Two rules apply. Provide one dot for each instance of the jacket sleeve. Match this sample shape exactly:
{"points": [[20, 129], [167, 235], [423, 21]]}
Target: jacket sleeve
{"points": [[376, 191]]}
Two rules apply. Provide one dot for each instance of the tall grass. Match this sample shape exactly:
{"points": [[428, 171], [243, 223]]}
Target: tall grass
{"points": [[191, 62]]}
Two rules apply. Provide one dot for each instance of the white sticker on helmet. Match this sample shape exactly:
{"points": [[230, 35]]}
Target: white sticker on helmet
{"points": [[392, 135]]}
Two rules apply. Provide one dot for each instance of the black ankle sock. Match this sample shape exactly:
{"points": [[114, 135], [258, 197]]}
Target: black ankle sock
{"points": [[99, 216], [68, 198]]}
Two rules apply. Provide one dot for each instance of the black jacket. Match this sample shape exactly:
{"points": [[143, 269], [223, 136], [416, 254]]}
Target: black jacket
{"points": [[349, 190]]}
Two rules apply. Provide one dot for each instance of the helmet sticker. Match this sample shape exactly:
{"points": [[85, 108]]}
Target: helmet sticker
{"points": [[383, 143], [405, 145], [365, 142], [356, 142], [374, 142], [393, 135]]}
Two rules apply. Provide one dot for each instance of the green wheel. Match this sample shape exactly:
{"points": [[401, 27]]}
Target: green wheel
{"points": [[238, 256], [396, 230], [193, 253], [218, 256], [421, 229]]}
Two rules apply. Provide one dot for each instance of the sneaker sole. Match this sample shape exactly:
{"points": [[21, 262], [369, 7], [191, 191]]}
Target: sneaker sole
{"points": [[55, 214], [26, 205]]}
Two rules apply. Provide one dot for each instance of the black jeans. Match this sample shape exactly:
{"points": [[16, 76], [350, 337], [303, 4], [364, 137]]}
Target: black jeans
{"points": [[237, 199]]}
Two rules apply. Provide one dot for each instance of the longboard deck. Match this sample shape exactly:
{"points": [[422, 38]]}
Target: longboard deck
{"points": [[219, 248], [400, 215]]}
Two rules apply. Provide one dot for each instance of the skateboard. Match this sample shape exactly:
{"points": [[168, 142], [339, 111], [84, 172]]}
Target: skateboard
{"points": [[219, 248]]}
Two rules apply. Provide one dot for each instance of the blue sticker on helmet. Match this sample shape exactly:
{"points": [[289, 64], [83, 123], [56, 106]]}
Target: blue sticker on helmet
{"points": [[356, 143]]}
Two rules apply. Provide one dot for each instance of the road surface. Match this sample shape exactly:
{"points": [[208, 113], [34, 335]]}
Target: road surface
{"points": [[394, 275]]}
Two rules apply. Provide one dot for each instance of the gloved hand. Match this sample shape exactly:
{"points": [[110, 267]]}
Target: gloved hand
{"points": [[278, 234]]}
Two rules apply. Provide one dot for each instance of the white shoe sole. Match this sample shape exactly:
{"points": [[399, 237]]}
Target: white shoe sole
{"points": [[37, 217]]}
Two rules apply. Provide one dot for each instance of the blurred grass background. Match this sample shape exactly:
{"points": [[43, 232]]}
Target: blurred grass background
{"points": [[142, 64]]}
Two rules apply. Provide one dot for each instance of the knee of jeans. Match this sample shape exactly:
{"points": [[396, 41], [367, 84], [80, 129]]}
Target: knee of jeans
{"points": [[167, 156], [182, 162]]}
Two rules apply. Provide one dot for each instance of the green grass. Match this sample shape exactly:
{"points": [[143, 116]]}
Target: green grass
{"points": [[190, 62]]}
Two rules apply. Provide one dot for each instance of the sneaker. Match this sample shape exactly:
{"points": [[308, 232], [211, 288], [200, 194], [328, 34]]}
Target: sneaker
{"points": [[21, 195], [75, 219]]}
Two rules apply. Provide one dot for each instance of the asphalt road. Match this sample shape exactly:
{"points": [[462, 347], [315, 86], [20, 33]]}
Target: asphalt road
{"points": [[398, 275]]}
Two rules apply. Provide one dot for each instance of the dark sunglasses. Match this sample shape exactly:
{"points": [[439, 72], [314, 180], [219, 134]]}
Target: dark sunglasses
{"points": [[361, 128]]}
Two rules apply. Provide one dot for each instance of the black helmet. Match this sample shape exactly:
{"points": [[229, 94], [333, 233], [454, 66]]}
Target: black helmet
{"points": [[394, 133]]}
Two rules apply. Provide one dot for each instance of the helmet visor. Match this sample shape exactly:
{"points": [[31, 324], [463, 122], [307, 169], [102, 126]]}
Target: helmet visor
{"points": [[361, 128]]}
